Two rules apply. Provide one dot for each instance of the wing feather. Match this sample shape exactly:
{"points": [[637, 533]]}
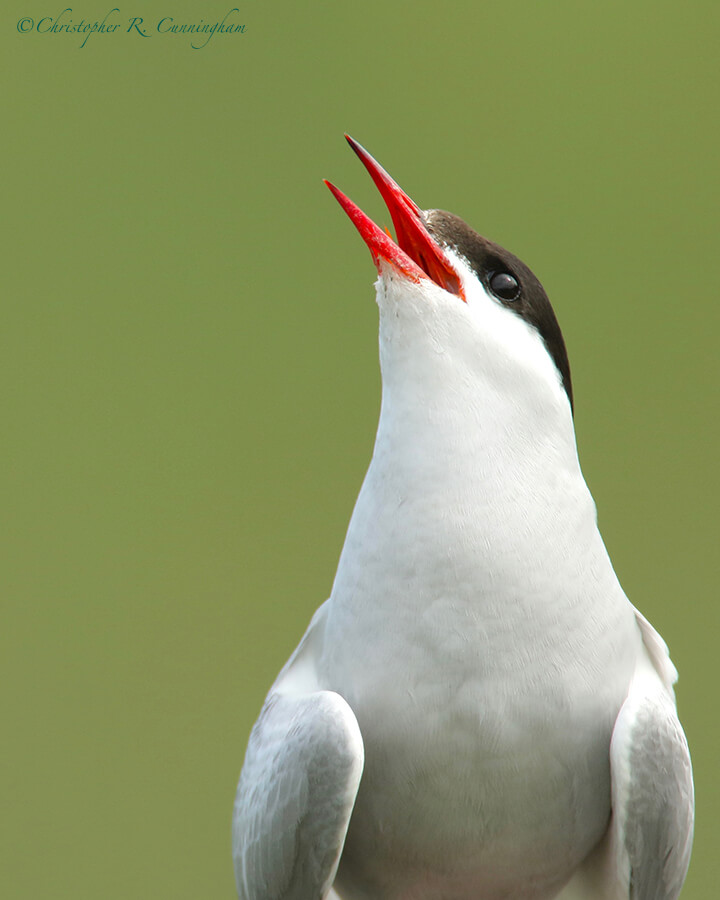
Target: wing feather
{"points": [[295, 796], [652, 785]]}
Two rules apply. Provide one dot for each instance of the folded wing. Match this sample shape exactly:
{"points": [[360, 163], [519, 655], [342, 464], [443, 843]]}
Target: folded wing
{"points": [[652, 785], [296, 793]]}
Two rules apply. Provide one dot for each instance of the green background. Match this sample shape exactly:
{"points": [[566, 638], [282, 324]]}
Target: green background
{"points": [[189, 384]]}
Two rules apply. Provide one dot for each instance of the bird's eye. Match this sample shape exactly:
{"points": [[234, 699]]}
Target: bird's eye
{"points": [[505, 286]]}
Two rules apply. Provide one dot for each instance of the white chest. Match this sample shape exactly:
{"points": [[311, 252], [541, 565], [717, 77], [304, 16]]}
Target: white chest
{"points": [[485, 648]]}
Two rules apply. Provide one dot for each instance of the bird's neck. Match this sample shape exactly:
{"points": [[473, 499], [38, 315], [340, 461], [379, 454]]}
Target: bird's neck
{"points": [[477, 443], [467, 489]]}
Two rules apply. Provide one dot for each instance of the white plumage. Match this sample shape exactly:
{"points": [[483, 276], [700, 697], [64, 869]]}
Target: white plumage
{"points": [[477, 712]]}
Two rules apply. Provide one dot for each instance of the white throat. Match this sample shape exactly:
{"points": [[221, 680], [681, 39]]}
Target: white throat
{"points": [[475, 465]]}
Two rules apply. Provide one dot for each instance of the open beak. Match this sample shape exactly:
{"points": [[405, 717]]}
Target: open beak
{"points": [[416, 255]]}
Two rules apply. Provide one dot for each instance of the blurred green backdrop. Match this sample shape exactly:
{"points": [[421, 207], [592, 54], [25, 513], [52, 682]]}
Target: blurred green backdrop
{"points": [[189, 382]]}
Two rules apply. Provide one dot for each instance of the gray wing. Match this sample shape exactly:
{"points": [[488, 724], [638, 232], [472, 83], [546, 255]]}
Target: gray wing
{"points": [[296, 793], [652, 786]]}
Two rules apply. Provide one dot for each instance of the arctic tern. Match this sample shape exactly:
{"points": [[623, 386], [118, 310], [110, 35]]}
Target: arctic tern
{"points": [[477, 712]]}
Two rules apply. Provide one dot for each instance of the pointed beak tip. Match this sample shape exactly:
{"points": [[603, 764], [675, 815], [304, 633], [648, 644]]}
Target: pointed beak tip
{"points": [[415, 253]]}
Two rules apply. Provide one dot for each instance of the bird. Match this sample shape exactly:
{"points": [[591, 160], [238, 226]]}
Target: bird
{"points": [[477, 711]]}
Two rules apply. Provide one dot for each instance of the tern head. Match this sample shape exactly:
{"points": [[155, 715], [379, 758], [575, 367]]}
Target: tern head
{"points": [[462, 320]]}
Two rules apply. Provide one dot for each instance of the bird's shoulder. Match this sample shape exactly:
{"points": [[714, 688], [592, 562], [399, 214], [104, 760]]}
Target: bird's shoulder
{"points": [[298, 785]]}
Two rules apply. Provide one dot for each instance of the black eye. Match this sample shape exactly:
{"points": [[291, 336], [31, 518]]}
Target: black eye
{"points": [[504, 285]]}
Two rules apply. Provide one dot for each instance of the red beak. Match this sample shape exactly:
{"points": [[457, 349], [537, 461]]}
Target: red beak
{"points": [[415, 255]]}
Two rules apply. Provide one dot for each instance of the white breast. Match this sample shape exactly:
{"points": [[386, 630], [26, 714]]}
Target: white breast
{"points": [[475, 627], [485, 647]]}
